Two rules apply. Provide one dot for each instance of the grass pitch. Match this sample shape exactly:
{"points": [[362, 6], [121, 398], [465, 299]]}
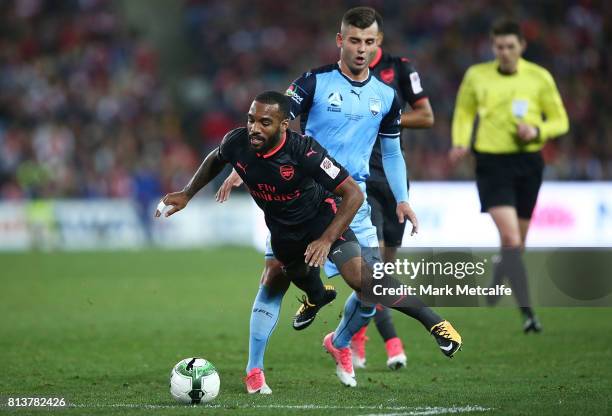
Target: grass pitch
{"points": [[103, 330]]}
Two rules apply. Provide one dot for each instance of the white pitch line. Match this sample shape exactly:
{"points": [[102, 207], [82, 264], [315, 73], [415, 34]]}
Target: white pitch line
{"points": [[405, 410], [434, 411]]}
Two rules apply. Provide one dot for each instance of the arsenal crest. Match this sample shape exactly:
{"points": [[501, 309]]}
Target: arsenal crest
{"points": [[387, 75], [287, 172]]}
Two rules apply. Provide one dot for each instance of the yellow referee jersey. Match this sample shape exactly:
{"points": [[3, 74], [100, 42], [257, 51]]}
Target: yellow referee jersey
{"points": [[503, 101]]}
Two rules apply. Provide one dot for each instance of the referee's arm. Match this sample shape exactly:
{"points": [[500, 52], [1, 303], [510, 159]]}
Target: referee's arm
{"points": [[556, 122], [463, 118]]}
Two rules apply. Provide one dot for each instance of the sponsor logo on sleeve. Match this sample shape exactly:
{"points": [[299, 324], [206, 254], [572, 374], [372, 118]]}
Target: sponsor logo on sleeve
{"points": [[292, 93], [415, 82], [329, 168]]}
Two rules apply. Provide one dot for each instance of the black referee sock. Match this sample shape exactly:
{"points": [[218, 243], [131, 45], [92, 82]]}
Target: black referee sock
{"points": [[517, 273], [384, 323], [527, 312], [499, 273]]}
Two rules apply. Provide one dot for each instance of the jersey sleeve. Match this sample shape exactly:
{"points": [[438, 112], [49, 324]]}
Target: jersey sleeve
{"points": [[556, 122], [409, 81], [319, 165], [390, 124], [222, 154], [394, 167], [227, 144], [301, 93], [465, 111]]}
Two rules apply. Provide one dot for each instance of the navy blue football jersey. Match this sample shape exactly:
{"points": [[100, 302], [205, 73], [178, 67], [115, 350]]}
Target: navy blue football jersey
{"points": [[289, 182]]}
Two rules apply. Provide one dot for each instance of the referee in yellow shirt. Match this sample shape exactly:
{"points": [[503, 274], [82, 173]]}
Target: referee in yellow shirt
{"points": [[518, 108]]}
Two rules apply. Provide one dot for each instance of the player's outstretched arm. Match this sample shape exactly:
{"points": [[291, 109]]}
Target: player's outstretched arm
{"points": [[208, 170], [352, 198], [232, 181]]}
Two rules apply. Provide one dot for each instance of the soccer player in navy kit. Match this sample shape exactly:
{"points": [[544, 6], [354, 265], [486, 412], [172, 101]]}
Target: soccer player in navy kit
{"points": [[399, 73], [346, 109], [293, 179]]}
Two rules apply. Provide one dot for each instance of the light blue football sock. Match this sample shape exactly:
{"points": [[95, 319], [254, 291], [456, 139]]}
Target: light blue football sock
{"points": [[264, 317], [356, 314]]}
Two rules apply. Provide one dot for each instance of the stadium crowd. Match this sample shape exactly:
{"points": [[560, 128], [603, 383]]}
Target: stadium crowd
{"points": [[84, 112]]}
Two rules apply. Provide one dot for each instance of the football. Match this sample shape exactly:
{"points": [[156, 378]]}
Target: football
{"points": [[194, 381]]}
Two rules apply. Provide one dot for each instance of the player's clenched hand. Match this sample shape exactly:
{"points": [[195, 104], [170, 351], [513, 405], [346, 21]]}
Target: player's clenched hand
{"points": [[178, 201], [404, 211], [316, 252], [232, 181], [457, 153], [526, 132]]}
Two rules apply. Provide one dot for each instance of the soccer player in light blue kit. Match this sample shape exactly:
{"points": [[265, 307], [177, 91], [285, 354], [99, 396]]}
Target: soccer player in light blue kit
{"points": [[345, 108]]}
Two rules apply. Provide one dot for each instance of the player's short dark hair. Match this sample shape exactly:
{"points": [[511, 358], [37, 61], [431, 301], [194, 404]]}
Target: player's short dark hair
{"points": [[506, 27], [362, 17], [274, 97]]}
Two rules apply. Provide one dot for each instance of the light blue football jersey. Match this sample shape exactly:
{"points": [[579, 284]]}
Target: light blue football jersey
{"points": [[345, 116]]}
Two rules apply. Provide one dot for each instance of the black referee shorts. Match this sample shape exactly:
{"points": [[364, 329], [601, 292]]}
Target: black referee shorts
{"points": [[509, 179], [384, 217]]}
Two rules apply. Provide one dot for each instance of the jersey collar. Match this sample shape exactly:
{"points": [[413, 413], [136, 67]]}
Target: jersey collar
{"points": [[274, 150], [377, 58], [519, 65], [353, 82]]}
